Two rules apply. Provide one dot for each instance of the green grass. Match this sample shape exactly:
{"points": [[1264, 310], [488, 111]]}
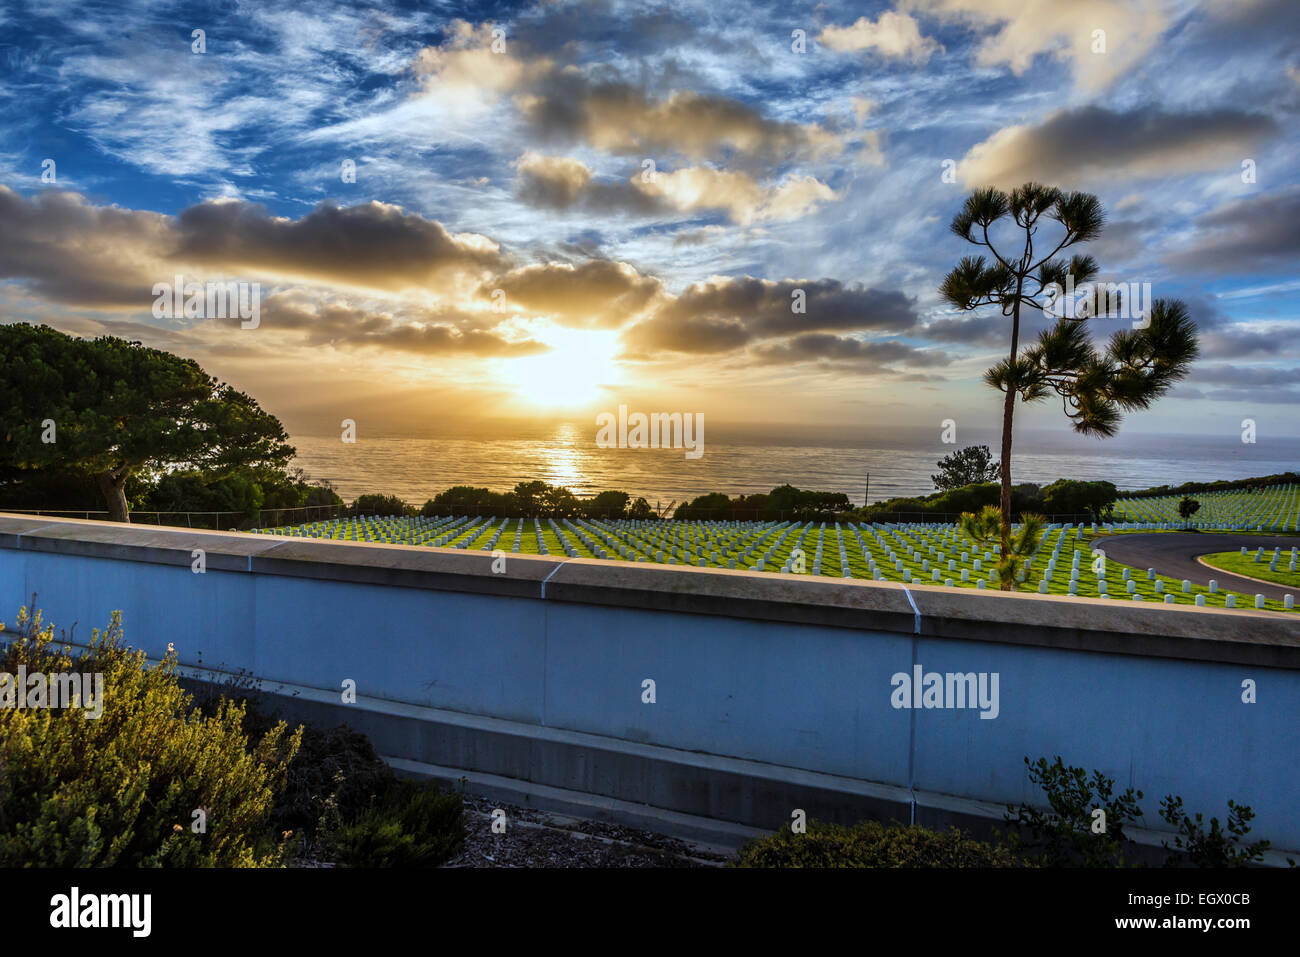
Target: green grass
{"points": [[1240, 564]]}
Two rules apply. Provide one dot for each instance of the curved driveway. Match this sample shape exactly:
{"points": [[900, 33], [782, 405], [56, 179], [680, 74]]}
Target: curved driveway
{"points": [[1173, 554]]}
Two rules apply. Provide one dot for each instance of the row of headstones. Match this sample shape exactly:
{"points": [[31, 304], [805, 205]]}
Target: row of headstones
{"points": [[1272, 564], [1225, 510], [686, 544]]}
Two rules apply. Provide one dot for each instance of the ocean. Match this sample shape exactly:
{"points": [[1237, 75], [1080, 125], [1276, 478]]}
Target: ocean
{"points": [[417, 468]]}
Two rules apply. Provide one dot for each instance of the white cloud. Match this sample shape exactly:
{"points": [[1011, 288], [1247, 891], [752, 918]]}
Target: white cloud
{"points": [[894, 35]]}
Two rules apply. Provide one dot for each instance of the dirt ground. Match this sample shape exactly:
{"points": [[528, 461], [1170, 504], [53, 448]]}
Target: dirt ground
{"points": [[537, 839]]}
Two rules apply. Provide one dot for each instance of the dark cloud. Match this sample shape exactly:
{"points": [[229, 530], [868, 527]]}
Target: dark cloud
{"points": [[723, 314], [373, 245], [825, 347], [1259, 234], [1264, 377], [619, 118], [558, 182], [1093, 143], [72, 252], [432, 333]]}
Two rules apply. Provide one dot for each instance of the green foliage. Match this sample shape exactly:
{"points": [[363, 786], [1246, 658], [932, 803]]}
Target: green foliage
{"points": [[987, 527], [1216, 847], [376, 504], [608, 505], [469, 500], [872, 844], [120, 790], [1188, 507], [704, 507], [804, 504], [972, 465], [1070, 497], [641, 511], [1066, 835], [120, 409], [413, 825], [534, 499]]}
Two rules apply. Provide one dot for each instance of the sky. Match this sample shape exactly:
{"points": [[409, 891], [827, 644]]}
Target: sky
{"points": [[465, 215]]}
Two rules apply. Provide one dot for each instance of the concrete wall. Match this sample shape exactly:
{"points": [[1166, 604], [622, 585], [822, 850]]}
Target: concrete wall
{"points": [[773, 692]]}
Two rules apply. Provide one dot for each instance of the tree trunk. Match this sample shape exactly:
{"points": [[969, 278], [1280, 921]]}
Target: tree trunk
{"points": [[112, 485], [1008, 412]]}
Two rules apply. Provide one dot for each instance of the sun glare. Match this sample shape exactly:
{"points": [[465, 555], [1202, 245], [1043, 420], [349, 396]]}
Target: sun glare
{"points": [[571, 375]]}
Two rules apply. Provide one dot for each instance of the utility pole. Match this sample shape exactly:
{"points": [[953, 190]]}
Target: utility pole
{"points": [[866, 496]]}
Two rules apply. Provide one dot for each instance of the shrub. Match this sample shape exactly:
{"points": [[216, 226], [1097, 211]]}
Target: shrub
{"points": [[414, 824], [1197, 847], [1071, 833], [121, 789], [375, 504], [872, 844], [336, 770]]}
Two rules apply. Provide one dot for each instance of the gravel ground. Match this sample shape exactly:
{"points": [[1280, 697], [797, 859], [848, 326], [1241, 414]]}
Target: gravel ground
{"points": [[537, 839]]}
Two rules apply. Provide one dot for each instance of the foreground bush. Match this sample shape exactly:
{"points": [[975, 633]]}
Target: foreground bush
{"points": [[1084, 825], [122, 789], [872, 844], [340, 801], [413, 825]]}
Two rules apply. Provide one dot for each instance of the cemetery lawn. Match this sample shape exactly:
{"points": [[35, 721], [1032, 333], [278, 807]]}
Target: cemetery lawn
{"points": [[930, 554], [1240, 564], [1276, 506]]}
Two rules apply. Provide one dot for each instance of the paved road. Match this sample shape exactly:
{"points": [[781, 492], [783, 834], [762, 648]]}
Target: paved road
{"points": [[1174, 554]]}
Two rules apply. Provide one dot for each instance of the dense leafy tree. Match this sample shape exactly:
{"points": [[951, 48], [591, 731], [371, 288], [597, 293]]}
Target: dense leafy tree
{"points": [[641, 511], [969, 466], [1070, 497], [715, 505], [376, 504], [1188, 507], [110, 409], [609, 505]]}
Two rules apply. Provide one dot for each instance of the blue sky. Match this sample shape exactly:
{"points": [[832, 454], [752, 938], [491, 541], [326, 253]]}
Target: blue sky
{"points": [[505, 147]]}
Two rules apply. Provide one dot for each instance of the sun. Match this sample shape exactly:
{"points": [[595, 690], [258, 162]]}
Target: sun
{"points": [[572, 374]]}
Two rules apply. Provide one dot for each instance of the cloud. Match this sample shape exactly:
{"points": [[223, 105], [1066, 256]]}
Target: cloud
{"points": [[724, 314], [560, 182], [1096, 144], [895, 35], [1259, 376], [1258, 234], [825, 347], [561, 103], [373, 245], [74, 252], [737, 194], [473, 68], [593, 294], [343, 326], [1015, 32]]}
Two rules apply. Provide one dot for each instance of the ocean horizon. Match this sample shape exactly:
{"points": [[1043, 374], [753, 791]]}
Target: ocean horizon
{"points": [[416, 468]]}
